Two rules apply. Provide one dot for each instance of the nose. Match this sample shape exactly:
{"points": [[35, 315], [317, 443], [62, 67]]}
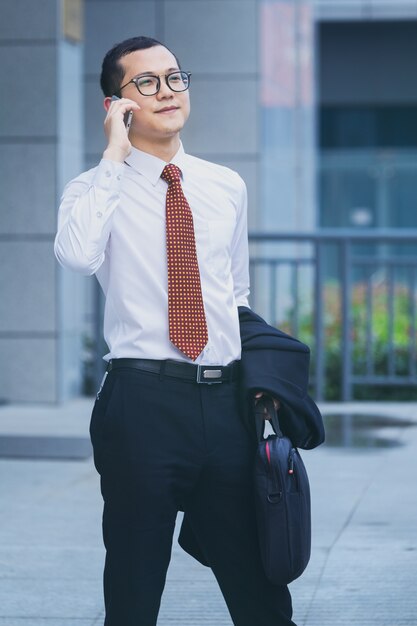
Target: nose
{"points": [[164, 90]]}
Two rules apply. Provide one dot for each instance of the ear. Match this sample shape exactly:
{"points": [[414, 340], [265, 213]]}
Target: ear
{"points": [[107, 102]]}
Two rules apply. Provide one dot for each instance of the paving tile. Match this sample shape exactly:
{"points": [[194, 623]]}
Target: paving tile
{"points": [[362, 568]]}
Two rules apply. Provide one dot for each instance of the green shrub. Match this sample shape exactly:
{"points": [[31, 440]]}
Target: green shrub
{"points": [[400, 331]]}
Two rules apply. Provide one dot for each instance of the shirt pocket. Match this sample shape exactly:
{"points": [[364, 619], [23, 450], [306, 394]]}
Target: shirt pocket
{"points": [[220, 244]]}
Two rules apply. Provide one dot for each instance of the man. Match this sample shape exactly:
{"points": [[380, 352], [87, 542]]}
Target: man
{"points": [[166, 235]]}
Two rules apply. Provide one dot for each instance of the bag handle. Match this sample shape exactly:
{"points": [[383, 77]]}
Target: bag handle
{"points": [[265, 405]]}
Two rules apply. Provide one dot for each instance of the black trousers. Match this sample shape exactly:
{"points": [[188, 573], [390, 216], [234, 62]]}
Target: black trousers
{"points": [[162, 445]]}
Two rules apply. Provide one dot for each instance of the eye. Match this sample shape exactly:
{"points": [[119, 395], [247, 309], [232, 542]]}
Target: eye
{"points": [[146, 81]]}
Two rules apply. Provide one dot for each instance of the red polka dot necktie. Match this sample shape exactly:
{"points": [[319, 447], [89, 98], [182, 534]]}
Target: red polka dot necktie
{"points": [[186, 317]]}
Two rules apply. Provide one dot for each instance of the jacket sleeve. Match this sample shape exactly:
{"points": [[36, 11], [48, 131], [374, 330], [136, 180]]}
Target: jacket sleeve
{"points": [[278, 364]]}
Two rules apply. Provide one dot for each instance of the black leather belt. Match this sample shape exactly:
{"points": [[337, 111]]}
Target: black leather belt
{"points": [[207, 374]]}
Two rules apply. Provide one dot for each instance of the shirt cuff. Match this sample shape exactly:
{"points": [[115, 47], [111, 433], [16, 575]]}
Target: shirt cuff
{"points": [[108, 175]]}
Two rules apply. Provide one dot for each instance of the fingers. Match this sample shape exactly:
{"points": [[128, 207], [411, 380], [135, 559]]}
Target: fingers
{"points": [[260, 394], [117, 110], [118, 146], [122, 106], [277, 404]]}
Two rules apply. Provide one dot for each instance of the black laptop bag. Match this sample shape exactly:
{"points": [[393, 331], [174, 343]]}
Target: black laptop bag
{"points": [[282, 501]]}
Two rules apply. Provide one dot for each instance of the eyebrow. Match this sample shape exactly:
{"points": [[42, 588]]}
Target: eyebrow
{"points": [[149, 73]]}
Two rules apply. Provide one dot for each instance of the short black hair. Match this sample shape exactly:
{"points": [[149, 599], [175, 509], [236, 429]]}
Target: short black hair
{"points": [[112, 72]]}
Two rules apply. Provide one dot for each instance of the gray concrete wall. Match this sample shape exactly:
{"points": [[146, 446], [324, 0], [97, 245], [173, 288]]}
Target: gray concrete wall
{"points": [[41, 147]]}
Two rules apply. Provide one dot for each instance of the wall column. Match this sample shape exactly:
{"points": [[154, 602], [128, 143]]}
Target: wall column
{"points": [[41, 137]]}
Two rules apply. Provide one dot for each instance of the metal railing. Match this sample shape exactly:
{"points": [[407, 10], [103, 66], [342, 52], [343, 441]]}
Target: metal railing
{"points": [[351, 294]]}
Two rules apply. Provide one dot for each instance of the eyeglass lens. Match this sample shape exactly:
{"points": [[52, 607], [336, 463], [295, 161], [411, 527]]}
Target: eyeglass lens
{"points": [[149, 85]]}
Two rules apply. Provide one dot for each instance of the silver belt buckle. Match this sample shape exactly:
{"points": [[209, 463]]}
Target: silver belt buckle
{"points": [[207, 375]]}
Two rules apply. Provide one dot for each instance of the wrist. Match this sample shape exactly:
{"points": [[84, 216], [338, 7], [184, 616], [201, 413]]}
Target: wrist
{"points": [[115, 154]]}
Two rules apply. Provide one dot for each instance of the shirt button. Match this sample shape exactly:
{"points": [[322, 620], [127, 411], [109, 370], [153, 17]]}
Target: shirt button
{"points": [[108, 174], [118, 177], [99, 214]]}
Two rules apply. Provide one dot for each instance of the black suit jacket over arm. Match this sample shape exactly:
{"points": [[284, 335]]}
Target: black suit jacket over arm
{"points": [[278, 364]]}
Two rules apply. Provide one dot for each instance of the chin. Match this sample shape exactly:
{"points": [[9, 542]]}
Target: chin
{"points": [[173, 129], [175, 124]]}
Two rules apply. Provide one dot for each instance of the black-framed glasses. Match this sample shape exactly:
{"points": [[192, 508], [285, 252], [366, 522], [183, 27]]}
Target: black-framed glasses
{"points": [[149, 84]]}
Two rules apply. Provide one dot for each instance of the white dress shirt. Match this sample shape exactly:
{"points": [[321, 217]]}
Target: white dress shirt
{"points": [[112, 223]]}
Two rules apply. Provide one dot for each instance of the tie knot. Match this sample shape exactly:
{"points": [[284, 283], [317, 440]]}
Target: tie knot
{"points": [[171, 173]]}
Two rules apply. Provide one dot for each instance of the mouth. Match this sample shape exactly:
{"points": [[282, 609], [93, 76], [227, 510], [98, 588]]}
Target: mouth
{"points": [[167, 110]]}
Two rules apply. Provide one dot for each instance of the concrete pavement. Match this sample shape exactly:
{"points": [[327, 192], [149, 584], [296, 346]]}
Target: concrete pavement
{"points": [[363, 569]]}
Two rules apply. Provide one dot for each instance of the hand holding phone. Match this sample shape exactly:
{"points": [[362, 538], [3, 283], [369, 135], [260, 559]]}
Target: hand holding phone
{"points": [[127, 117], [118, 146]]}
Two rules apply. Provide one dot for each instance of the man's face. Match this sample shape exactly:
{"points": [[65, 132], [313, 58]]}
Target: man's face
{"points": [[164, 114]]}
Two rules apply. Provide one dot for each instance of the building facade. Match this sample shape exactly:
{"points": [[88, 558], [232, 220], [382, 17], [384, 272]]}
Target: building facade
{"points": [[313, 102]]}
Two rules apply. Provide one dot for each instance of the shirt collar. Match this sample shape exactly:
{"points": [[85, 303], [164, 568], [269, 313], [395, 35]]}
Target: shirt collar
{"points": [[151, 166]]}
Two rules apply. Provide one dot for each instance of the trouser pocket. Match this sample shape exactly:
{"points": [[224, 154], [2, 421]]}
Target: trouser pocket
{"points": [[103, 416]]}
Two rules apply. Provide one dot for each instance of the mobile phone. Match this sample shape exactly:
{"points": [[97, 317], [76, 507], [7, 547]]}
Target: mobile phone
{"points": [[127, 117]]}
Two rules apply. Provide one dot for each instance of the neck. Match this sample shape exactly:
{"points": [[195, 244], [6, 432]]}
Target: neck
{"points": [[164, 150]]}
